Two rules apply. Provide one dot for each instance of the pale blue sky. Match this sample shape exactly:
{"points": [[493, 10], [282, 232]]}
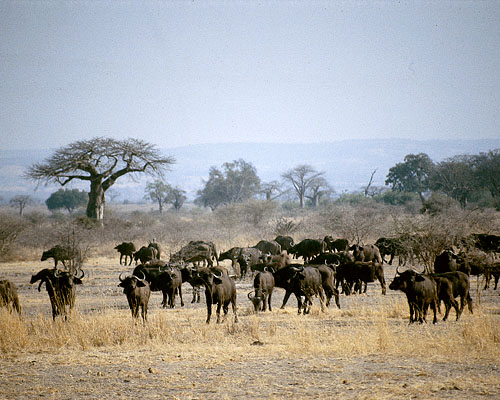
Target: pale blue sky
{"points": [[184, 72]]}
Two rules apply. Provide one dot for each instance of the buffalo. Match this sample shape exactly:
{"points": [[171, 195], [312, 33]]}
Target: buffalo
{"points": [[268, 247], [126, 250], [8, 296], [61, 288], [308, 248], [277, 261], [196, 251], [392, 247], [172, 285], [145, 254], [247, 259], [366, 253], [138, 292], [286, 242], [263, 284], [220, 289], [420, 291], [336, 245], [353, 275], [460, 287], [58, 253]]}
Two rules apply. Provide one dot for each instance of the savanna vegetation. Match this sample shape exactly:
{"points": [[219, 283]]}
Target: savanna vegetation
{"points": [[365, 349]]}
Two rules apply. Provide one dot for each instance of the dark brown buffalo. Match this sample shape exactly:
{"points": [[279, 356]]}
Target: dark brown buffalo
{"points": [[302, 281], [336, 245], [172, 285], [61, 288], [220, 289], [445, 294], [286, 242], [263, 284], [420, 291], [138, 292], [145, 254], [308, 248], [354, 276], [277, 261], [461, 287], [126, 250], [8, 296], [268, 247], [366, 253], [58, 253]]}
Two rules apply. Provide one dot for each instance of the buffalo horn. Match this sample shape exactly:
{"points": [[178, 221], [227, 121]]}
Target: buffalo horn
{"points": [[250, 295], [120, 277]]}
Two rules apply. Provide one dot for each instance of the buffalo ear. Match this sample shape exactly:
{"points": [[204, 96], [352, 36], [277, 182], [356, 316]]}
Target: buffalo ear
{"points": [[419, 278], [141, 283], [77, 281]]}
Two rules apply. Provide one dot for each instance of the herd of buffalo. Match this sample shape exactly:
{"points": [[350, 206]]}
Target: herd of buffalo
{"points": [[328, 265]]}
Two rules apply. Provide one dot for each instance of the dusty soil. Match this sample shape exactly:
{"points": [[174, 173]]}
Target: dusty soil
{"points": [[276, 355]]}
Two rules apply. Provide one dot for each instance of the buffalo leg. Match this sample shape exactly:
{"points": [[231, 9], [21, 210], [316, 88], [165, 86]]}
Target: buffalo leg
{"points": [[219, 305], [285, 299]]}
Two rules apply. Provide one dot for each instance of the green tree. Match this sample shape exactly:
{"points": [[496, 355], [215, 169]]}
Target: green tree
{"points": [[70, 199], [412, 175], [456, 178], [175, 196], [302, 178], [487, 170], [100, 161], [157, 191], [237, 182]]}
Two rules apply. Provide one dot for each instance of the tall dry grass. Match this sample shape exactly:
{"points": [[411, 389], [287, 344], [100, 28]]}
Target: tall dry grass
{"points": [[361, 331]]}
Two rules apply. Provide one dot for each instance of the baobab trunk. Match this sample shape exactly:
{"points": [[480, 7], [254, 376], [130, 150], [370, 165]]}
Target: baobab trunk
{"points": [[97, 200]]}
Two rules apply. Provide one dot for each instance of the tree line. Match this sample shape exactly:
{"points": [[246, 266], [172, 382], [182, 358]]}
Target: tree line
{"points": [[101, 161]]}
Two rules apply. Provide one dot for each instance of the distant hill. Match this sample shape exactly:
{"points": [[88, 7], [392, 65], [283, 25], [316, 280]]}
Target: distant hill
{"points": [[347, 164]]}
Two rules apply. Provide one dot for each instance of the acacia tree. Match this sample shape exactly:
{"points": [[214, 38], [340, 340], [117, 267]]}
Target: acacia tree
{"points": [[301, 178], [20, 202], [68, 199], [236, 183], [456, 178], [157, 191], [100, 161], [175, 196], [487, 171], [412, 175]]}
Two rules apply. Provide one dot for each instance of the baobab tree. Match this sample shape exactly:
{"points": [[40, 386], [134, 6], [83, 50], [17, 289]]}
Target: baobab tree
{"points": [[301, 179], [100, 161]]}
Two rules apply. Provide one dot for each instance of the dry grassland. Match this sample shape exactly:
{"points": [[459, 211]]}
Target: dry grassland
{"points": [[365, 350]]}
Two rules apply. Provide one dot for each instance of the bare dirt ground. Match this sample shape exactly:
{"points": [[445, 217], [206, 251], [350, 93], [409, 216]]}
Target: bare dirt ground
{"points": [[365, 350]]}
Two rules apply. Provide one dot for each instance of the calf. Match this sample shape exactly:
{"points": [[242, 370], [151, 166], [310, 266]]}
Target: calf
{"points": [[8, 296], [138, 292]]}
